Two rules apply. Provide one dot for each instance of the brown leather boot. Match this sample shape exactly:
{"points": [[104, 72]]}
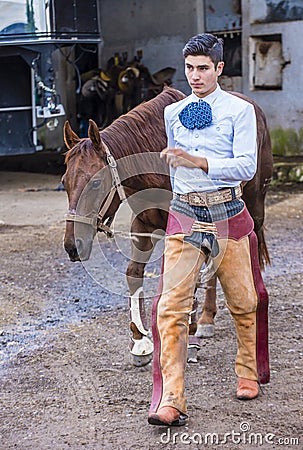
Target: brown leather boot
{"points": [[167, 416], [247, 389]]}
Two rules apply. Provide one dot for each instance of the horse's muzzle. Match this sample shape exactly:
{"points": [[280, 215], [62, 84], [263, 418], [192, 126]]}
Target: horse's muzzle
{"points": [[78, 250], [72, 253]]}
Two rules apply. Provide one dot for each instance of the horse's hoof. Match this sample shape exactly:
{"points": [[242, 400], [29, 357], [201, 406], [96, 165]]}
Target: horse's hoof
{"points": [[193, 348], [192, 353], [143, 360], [142, 351], [205, 330]]}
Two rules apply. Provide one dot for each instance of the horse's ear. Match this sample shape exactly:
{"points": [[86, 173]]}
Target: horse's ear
{"points": [[70, 137], [94, 135]]}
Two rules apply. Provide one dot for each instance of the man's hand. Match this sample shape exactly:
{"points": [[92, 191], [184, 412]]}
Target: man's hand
{"points": [[177, 157]]}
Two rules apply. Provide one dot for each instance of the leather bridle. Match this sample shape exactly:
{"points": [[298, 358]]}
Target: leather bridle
{"points": [[97, 222]]}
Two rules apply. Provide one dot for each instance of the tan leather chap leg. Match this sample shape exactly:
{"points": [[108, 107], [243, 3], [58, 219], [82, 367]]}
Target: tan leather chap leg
{"points": [[181, 264], [236, 278]]}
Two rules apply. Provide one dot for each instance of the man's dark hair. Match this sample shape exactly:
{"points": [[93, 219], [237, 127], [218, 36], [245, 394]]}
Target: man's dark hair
{"points": [[207, 45]]}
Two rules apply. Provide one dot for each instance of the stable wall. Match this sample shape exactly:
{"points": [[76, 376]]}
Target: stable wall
{"points": [[283, 107], [159, 28]]}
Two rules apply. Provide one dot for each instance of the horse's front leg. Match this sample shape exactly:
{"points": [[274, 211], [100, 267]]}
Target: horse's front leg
{"points": [[141, 337], [206, 324]]}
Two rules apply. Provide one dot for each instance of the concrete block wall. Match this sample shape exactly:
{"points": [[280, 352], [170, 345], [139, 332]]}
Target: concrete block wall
{"points": [[159, 28], [284, 107]]}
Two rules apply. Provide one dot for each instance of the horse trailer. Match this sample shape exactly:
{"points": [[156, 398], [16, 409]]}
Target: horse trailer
{"points": [[44, 46]]}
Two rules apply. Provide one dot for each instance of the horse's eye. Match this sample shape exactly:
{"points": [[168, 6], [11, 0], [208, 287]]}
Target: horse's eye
{"points": [[96, 184]]}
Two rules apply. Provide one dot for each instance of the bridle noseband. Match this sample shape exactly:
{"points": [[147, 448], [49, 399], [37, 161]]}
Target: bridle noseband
{"points": [[97, 221]]}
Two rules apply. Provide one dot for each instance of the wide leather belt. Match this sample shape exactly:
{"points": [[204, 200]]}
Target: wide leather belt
{"points": [[211, 198]]}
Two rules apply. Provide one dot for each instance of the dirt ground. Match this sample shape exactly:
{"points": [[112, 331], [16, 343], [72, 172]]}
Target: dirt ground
{"points": [[66, 377]]}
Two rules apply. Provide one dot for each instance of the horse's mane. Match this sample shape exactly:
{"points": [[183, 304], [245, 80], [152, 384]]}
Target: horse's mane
{"points": [[142, 128], [141, 132]]}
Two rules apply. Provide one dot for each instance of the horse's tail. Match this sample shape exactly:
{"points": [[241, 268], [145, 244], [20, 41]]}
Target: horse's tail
{"points": [[264, 258]]}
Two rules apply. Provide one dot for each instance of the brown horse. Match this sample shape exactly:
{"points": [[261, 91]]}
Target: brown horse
{"points": [[122, 162]]}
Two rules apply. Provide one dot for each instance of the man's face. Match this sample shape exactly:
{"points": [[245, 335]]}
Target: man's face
{"points": [[201, 74]]}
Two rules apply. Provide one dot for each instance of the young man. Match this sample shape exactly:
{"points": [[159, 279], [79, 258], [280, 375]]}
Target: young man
{"points": [[211, 149]]}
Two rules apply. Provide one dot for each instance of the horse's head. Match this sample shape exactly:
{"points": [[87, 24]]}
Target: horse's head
{"points": [[88, 182]]}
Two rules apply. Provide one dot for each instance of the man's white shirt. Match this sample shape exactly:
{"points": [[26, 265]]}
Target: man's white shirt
{"points": [[229, 144]]}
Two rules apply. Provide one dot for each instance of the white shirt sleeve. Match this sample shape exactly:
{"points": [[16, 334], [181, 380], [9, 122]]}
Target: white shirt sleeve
{"points": [[169, 133], [243, 164], [170, 143]]}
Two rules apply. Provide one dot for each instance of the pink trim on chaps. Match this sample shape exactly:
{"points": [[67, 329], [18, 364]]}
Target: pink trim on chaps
{"points": [[262, 314], [235, 227], [178, 223], [157, 375]]}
